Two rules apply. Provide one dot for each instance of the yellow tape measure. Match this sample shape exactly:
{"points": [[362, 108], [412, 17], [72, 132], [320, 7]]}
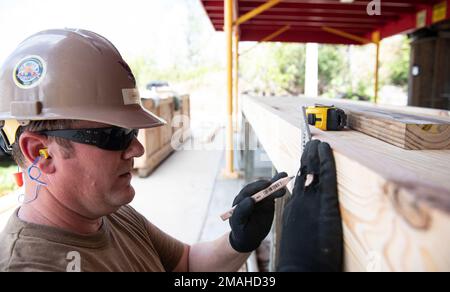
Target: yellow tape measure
{"points": [[326, 118]]}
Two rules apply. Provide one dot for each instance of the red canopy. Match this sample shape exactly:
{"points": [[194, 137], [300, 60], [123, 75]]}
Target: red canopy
{"points": [[307, 18]]}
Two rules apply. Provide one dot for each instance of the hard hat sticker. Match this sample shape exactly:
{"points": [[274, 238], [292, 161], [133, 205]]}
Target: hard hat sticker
{"points": [[131, 96], [29, 72]]}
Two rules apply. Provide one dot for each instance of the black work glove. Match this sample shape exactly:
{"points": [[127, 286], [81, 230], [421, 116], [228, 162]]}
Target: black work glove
{"points": [[251, 222], [312, 237]]}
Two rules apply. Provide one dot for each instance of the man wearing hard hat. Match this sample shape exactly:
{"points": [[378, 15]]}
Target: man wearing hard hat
{"points": [[69, 115]]}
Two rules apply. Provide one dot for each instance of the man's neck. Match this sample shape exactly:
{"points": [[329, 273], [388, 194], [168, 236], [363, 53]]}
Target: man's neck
{"points": [[47, 210]]}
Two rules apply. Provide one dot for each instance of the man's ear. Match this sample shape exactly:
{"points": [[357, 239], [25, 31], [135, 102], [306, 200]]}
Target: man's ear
{"points": [[30, 143]]}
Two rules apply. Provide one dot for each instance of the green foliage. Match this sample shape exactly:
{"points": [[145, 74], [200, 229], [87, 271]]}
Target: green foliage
{"points": [[398, 67], [275, 69], [145, 70], [289, 70], [332, 67], [344, 71]]}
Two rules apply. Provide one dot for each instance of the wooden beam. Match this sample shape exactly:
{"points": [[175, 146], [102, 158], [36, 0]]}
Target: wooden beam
{"points": [[346, 35], [407, 131], [269, 38], [276, 33], [413, 110], [395, 203], [258, 10]]}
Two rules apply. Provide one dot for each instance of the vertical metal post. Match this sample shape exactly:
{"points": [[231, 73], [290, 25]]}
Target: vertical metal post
{"points": [[247, 166], [236, 79], [377, 72], [229, 51], [376, 38]]}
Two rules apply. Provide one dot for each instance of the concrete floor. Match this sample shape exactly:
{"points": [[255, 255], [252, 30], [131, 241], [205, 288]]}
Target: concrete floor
{"points": [[221, 200]]}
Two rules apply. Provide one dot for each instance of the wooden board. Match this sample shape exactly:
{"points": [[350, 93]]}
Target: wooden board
{"points": [[423, 55], [153, 161], [395, 203], [166, 112], [412, 129], [412, 110], [157, 142], [149, 138], [407, 131], [431, 86]]}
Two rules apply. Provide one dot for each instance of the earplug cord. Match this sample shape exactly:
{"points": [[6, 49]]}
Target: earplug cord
{"points": [[35, 179]]}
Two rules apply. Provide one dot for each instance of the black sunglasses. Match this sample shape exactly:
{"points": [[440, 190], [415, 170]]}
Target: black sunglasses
{"points": [[4, 143], [112, 138]]}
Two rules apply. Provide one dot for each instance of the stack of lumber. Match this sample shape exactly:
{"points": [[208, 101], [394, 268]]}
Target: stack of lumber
{"points": [[395, 202], [158, 142]]}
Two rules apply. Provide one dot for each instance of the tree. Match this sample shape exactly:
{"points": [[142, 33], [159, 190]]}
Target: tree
{"points": [[333, 71], [275, 69], [397, 62]]}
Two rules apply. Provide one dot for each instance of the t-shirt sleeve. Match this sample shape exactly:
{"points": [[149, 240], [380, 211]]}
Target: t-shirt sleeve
{"points": [[169, 249]]}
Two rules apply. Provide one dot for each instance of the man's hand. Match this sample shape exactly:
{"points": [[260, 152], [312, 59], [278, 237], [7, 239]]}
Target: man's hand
{"points": [[251, 222], [312, 237]]}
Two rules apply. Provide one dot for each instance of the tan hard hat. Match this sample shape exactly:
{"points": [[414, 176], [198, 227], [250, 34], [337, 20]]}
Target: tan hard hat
{"points": [[71, 74]]}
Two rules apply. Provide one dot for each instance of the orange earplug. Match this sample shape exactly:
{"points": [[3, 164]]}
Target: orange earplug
{"points": [[18, 177]]}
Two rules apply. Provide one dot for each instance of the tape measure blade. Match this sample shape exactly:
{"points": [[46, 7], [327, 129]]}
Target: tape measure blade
{"points": [[306, 132]]}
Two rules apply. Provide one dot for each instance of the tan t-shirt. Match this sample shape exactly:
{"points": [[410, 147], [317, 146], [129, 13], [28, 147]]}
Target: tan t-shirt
{"points": [[125, 242]]}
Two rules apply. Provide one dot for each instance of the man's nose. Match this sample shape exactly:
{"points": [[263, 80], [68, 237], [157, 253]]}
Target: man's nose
{"points": [[134, 150]]}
